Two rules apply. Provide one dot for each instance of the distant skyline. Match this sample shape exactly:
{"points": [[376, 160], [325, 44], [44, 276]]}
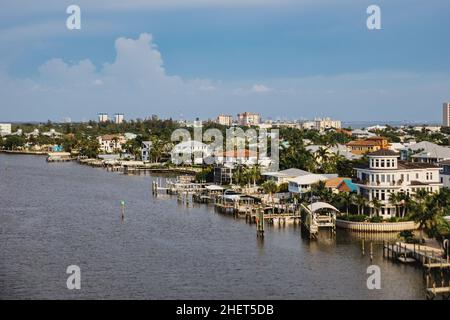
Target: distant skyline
{"points": [[197, 58]]}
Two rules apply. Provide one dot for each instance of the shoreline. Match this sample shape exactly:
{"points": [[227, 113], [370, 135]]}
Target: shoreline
{"points": [[31, 153]]}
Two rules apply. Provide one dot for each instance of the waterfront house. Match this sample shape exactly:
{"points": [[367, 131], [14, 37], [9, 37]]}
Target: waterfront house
{"points": [[339, 184], [385, 174], [370, 144], [110, 143], [303, 183], [190, 152], [283, 176]]}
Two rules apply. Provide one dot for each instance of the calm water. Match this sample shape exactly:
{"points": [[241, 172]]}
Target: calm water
{"points": [[56, 215]]}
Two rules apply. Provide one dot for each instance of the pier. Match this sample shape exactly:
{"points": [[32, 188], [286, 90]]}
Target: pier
{"points": [[436, 268]]}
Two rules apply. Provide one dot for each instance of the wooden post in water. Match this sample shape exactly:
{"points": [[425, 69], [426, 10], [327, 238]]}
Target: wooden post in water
{"points": [[122, 210], [362, 247], [260, 224], [371, 251]]}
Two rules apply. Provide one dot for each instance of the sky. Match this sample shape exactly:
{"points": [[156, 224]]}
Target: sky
{"points": [[286, 59]]}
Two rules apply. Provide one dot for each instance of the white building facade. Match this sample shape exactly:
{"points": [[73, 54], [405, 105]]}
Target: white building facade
{"points": [[5, 129], [110, 143], [386, 174], [145, 150]]}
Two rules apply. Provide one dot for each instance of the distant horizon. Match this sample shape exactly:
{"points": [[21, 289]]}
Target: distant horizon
{"points": [[345, 123]]}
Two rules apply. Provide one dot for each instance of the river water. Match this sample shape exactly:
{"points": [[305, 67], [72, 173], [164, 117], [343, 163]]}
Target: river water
{"points": [[53, 215]]}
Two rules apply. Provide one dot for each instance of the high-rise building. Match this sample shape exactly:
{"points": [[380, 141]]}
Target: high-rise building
{"points": [[326, 123], [118, 118], [446, 115], [224, 119], [102, 117], [248, 119]]}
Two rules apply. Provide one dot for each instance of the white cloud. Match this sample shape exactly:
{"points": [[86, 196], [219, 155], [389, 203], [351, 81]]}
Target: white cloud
{"points": [[260, 88]]}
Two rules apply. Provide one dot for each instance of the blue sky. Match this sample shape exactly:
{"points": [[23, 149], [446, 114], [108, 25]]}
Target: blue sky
{"points": [[197, 58]]}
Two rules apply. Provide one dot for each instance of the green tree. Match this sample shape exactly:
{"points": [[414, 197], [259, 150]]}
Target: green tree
{"points": [[14, 142]]}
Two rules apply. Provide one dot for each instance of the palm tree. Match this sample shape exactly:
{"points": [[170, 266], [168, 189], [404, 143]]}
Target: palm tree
{"points": [[420, 195], [442, 199], [404, 200], [376, 204], [319, 189], [239, 176], [424, 213], [361, 202], [394, 200], [270, 187], [347, 198], [157, 148], [255, 174]]}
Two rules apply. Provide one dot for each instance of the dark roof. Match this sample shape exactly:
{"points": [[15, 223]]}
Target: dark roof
{"points": [[445, 162], [383, 152]]}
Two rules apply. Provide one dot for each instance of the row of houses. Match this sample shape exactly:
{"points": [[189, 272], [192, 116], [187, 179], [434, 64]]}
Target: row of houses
{"points": [[384, 174]]}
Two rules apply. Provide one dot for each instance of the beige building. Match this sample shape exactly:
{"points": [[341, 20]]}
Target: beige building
{"points": [[5, 129], [326, 123], [102, 117], [224, 119], [446, 115], [248, 119], [118, 118]]}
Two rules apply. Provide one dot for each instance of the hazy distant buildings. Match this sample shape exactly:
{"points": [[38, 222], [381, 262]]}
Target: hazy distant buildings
{"points": [[326, 123], [446, 115], [102, 117], [248, 119], [224, 119], [118, 118], [5, 129]]}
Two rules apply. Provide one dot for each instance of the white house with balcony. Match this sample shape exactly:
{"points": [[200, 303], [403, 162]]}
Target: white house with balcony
{"points": [[190, 152], [386, 174], [110, 143], [303, 183]]}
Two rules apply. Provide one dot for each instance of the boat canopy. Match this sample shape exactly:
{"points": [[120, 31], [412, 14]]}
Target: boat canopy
{"points": [[321, 205]]}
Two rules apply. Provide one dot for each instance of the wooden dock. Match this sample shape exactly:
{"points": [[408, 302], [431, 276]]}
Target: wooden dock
{"points": [[436, 268]]}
